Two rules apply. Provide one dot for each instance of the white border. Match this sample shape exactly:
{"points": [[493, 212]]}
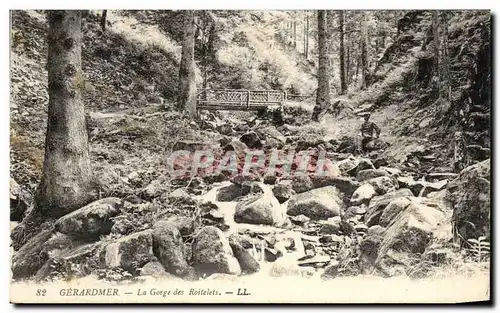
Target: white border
{"points": [[188, 4]]}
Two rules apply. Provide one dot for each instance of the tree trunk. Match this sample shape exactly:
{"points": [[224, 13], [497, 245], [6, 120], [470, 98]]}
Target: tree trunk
{"points": [[67, 182], [435, 34], [187, 75], [294, 34], [343, 85], [364, 52], [323, 92], [307, 36], [103, 20]]}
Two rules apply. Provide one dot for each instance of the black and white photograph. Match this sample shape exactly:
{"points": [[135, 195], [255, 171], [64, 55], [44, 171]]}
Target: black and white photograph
{"points": [[250, 156]]}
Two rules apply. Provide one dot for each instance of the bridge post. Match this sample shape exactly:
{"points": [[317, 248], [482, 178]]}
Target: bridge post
{"points": [[248, 99]]}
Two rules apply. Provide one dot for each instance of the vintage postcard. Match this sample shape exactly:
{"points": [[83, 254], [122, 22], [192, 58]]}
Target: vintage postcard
{"points": [[246, 156]]}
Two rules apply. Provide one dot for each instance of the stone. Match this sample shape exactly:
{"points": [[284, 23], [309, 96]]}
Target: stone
{"points": [[238, 147], [383, 184], [20, 201], [241, 178], [348, 165], [211, 253], [270, 179], [271, 255], [391, 171], [364, 164], [247, 262], [301, 183], [131, 252], [154, 189], [363, 194], [330, 227], [260, 209], [91, 221], [28, 260], [190, 145], [393, 209], [370, 173], [345, 185], [421, 188], [228, 193], [378, 204], [184, 224], [251, 140], [283, 191], [361, 228], [180, 196], [320, 203], [168, 248], [156, 270], [331, 271], [316, 261], [300, 219]]}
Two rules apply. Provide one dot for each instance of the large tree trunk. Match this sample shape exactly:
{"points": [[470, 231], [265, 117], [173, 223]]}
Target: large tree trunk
{"points": [[343, 85], [294, 34], [67, 182], [323, 92], [187, 75]]}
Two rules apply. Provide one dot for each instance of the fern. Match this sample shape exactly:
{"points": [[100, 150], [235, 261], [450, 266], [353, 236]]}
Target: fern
{"points": [[479, 248]]}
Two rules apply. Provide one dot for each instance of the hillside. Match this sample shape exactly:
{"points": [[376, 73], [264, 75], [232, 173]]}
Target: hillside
{"points": [[402, 207]]}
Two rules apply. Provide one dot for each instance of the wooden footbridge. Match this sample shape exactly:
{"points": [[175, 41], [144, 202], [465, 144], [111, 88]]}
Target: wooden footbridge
{"points": [[238, 99]]}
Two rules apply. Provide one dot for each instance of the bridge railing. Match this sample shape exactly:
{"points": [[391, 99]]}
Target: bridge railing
{"points": [[237, 99]]}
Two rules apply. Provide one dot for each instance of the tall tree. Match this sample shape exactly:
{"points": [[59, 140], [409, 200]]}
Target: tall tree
{"points": [[323, 91], [343, 85], [364, 50], [187, 76], [307, 35], [67, 182], [435, 35], [103, 19]]}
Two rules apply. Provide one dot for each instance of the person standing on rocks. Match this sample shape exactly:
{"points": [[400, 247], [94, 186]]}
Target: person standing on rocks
{"points": [[369, 131]]}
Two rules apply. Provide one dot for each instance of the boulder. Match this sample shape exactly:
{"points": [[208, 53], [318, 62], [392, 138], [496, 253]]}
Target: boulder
{"points": [[393, 209], [331, 271], [301, 183], [348, 165], [363, 194], [283, 191], [247, 262], [169, 248], [471, 198], [213, 254], [320, 203], [378, 204], [370, 173], [331, 226], [409, 236], [184, 224], [156, 270], [29, 259], [251, 140], [421, 188], [228, 193], [131, 252], [383, 184], [91, 221], [260, 209], [300, 219], [345, 185]]}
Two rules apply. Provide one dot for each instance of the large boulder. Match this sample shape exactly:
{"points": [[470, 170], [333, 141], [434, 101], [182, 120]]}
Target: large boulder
{"points": [[91, 221], [131, 252], [421, 188], [378, 204], [391, 252], [301, 183], [211, 253], [228, 193], [260, 209], [348, 165], [363, 194], [471, 197], [169, 248], [320, 203]]}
